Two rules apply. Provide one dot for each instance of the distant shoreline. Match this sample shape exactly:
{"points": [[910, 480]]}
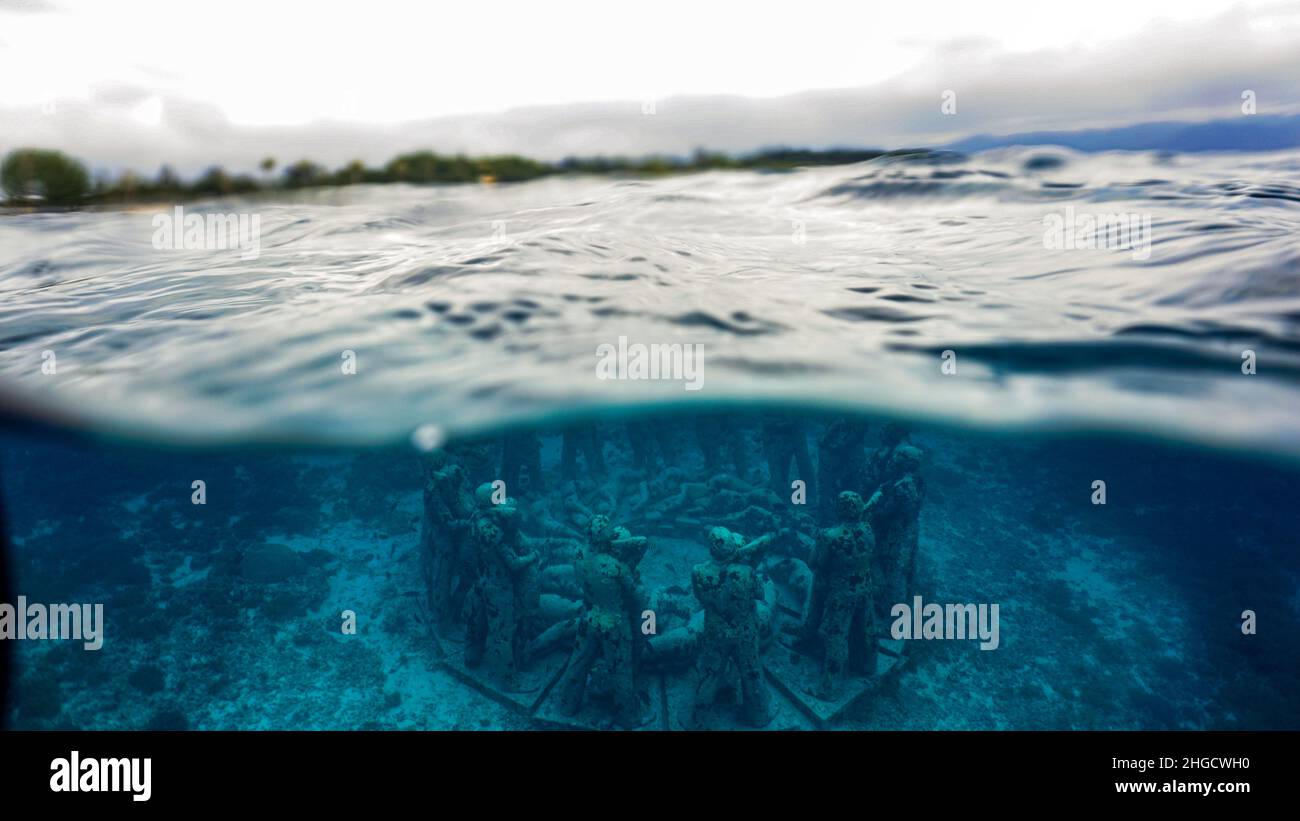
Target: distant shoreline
{"points": [[417, 168]]}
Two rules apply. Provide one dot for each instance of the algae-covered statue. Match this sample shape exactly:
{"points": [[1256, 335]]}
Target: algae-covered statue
{"points": [[499, 606], [839, 607], [730, 590], [747, 552], [895, 514], [892, 436], [606, 632], [448, 513]]}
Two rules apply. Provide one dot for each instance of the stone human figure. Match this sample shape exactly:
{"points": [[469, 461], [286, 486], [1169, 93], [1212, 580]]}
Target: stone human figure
{"points": [[840, 609], [892, 435], [895, 514], [743, 551], [448, 514], [612, 601], [729, 589], [503, 583], [434, 536], [784, 442]]}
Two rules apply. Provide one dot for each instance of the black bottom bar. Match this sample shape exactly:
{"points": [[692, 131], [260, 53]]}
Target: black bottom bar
{"points": [[443, 770]]}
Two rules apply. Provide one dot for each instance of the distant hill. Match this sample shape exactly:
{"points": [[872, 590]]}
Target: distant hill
{"points": [[1245, 133]]}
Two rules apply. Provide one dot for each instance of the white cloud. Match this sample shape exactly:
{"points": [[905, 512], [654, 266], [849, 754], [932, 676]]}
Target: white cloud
{"points": [[149, 82]]}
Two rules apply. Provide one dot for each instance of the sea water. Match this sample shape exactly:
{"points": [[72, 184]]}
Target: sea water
{"points": [[227, 451]]}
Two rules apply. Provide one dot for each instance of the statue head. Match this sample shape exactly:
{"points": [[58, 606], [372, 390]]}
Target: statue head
{"points": [[506, 513], [849, 506], [600, 532], [456, 473], [723, 544], [891, 433], [905, 459]]}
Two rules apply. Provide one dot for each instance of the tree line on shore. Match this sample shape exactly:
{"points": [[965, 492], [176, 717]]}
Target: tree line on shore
{"points": [[32, 176]]}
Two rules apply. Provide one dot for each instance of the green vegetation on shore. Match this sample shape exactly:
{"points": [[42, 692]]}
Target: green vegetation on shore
{"points": [[49, 178], [55, 177]]}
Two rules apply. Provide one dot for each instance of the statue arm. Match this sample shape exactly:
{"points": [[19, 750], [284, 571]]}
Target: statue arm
{"points": [[749, 552], [878, 505], [637, 547], [818, 555], [513, 560]]}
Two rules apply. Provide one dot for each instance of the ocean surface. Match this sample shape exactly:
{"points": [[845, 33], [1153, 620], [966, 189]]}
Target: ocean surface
{"points": [[306, 386]]}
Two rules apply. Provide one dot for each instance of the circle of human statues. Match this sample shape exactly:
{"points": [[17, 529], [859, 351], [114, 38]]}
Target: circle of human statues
{"points": [[693, 548]]}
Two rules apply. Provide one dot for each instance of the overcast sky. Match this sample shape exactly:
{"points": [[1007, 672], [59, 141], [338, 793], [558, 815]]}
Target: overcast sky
{"points": [[136, 84]]}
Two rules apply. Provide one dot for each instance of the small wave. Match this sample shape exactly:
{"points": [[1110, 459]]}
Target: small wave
{"points": [[474, 306]]}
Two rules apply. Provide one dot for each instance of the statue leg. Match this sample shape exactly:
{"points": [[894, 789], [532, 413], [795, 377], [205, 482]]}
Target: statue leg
{"points": [[753, 687], [835, 638], [712, 665], [499, 652], [475, 627], [574, 685], [618, 654]]}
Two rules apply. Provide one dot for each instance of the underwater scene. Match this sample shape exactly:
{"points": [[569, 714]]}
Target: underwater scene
{"points": [[471, 614], [874, 446]]}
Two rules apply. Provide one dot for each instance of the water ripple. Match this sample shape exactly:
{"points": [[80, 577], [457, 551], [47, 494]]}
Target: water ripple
{"points": [[476, 306]]}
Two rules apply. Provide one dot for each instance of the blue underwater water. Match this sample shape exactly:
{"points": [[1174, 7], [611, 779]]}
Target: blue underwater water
{"points": [[827, 303], [1122, 615]]}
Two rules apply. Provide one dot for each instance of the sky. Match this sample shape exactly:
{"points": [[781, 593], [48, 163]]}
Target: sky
{"points": [[141, 82]]}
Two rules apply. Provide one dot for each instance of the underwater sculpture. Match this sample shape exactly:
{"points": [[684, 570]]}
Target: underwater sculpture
{"points": [[895, 514], [730, 590], [670, 503], [553, 589], [502, 589], [678, 647], [606, 631], [892, 435], [840, 610], [444, 538], [570, 509]]}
